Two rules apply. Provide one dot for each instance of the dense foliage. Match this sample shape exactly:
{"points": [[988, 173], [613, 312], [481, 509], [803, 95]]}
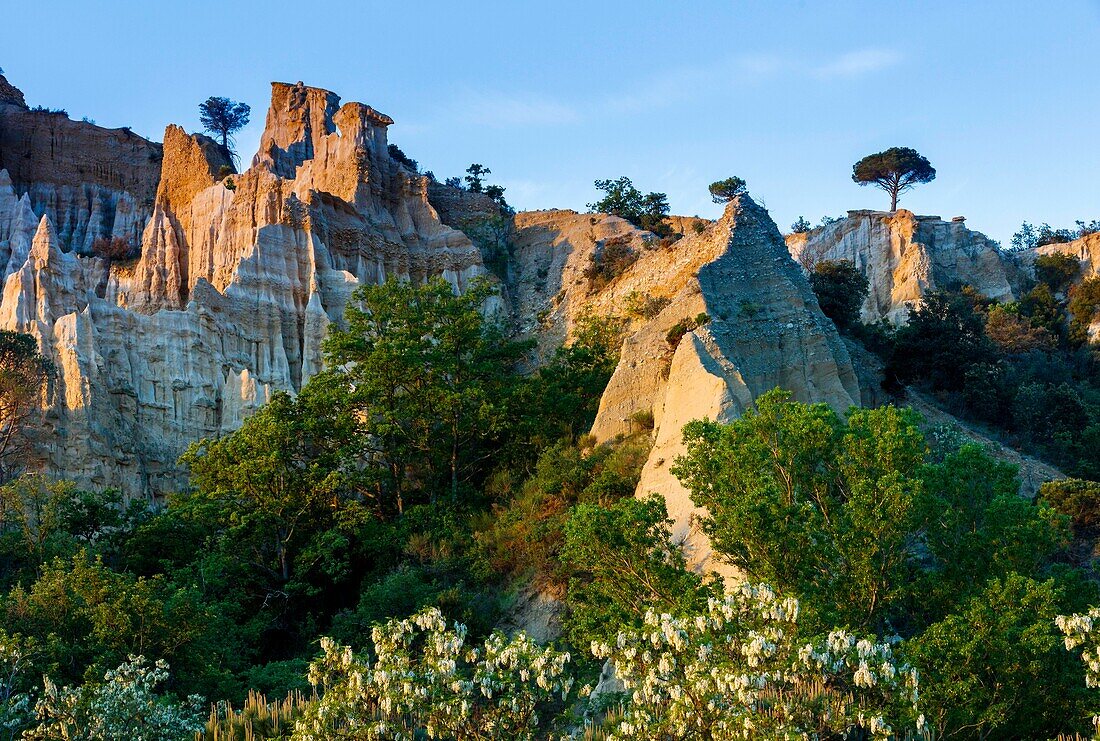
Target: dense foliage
{"points": [[645, 211], [841, 289], [895, 170], [874, 531], [356, 548]]}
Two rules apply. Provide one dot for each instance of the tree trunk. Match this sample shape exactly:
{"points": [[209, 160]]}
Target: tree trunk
{"points": [[894, 199]]}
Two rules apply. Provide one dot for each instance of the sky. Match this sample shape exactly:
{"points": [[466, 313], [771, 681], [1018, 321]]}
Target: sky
{"points": [[1001, 96]]}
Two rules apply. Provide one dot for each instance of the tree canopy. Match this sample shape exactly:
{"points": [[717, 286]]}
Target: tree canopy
{"points": [[646, 211], [840, 288], [723, 191], [223, 117], [895, 170]]}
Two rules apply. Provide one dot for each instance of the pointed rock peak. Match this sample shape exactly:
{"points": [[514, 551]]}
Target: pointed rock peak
{"points": [[299, 115], [10, 94], [192, 162], [45, 242], [5, 179]]}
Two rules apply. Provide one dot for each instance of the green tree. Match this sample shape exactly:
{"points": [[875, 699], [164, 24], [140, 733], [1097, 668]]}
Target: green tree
{"points": [[621, 198], [24, 374], [943, 339], [798, 499], [1057, 270], [996, 668], [223, 117], [1084, 300], [895, 170], [724, 191], [280, 479], [801, 226], [432, 381], [841, 289], [475, 177], [623, 563]]}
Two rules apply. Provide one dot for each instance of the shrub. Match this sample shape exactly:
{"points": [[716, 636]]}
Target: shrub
{"points": [[801, 226], [421, 677], [1077, 499], [841, 289], [115, 249], [644, 306], [609, 261], [1057, 270], [682, 327], [399, 156], [1084, 300]]}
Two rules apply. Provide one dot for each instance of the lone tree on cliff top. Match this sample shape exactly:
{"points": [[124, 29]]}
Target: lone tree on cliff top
{"points": [[223, 117], [895, 171], [724, 191]]}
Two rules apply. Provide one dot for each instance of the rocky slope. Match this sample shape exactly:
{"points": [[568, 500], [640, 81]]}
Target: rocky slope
{"points": [[237, 281], [764, 330], [904, 255]]}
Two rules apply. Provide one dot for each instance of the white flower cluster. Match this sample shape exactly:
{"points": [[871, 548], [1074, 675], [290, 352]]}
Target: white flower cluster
{"points": [[738, 671], [426, 680], [1083, 630], [125, 705]]}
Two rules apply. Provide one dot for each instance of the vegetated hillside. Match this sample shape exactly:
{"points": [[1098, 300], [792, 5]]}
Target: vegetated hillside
{"points": [[408, 416]]}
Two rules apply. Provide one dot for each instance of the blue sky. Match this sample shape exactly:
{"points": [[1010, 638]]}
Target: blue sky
{"points": [[1002, 97]]}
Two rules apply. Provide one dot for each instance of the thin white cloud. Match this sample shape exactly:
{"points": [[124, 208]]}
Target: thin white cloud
{"points": [[856, 63], [502, 110]]}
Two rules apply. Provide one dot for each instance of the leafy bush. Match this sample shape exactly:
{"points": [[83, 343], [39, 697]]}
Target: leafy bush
{"points": [[645, 306], [1057, 270], [610, 259], [801, 226], [841, 289], [739, 667], [682, 327], [421, 677], [398, 156], [622, 199], [115, 249]]}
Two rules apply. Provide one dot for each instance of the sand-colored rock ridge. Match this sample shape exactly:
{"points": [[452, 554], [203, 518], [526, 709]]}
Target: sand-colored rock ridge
{"points": [[763, 328], [238, 279], [904, 256]]}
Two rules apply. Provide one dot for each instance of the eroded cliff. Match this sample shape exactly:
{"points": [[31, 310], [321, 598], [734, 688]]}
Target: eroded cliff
{"points": [[762, 328], [904, 255], [237, 282]]}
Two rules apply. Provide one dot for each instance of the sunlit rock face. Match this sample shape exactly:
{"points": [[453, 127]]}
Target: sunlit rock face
{"points": [[238, 279], [904, 256], [765, 329]]}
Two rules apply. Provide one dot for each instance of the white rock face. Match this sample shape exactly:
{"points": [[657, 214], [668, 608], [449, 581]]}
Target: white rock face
{"points": [[233, 292], [904, 256]]}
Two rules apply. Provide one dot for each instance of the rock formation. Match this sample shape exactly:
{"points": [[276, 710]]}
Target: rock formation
{"points": [[904, 255], [238, 278], [764, 329], [92, 182]]}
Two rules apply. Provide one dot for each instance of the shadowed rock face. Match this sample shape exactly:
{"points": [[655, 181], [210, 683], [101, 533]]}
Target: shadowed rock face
{"points": [[904, 256], [764, 330], [234, 289], [92, 182]]}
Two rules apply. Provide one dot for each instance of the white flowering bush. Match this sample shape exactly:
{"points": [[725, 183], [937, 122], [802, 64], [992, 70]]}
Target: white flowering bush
{"points": [[739, 671], [424, 679], [1082, 630], [125, 706]]}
